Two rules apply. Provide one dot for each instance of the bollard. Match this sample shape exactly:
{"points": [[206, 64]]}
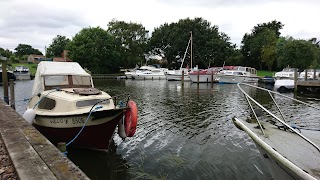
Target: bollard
{"points": [[62, 147]]}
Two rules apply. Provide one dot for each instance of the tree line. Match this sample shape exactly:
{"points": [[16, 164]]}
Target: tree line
{"points": [[126, 45]]}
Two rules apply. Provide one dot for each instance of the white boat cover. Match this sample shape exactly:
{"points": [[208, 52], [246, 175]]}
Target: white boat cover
{"points": [[46, 68]]}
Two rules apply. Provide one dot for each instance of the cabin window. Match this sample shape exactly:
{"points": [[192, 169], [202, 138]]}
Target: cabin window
{"points": [[81, 80], [47, 103], [56, 80], [91, 102]]}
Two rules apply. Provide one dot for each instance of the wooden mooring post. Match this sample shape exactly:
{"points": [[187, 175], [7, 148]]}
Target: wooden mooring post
{"points": [[5, 79], [211, 79], [198, 77], [295, 80], [182, 78], [12, 96]]}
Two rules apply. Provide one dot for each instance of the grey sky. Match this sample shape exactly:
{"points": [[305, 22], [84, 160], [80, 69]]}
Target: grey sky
{"points": [[37, 22]]}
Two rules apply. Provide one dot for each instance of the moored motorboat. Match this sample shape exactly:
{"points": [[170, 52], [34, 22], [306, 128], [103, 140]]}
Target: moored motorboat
{"points": [[149, 73], [178, 75], [286, 73], [310, 74], [22, 73], [10, 75], [206, 75], [267, 80], [291, 151], [65, 107], [238, 74]]}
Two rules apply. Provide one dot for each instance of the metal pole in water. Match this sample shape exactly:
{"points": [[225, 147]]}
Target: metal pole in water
{"points": [[12, 96]]}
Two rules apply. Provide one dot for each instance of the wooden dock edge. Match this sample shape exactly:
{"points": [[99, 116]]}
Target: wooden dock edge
{"points": [[32, 155]]}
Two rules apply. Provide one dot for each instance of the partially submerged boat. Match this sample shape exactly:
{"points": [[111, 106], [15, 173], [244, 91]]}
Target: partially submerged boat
{"points": [[290, 149], [284, 85], [65, 107]]}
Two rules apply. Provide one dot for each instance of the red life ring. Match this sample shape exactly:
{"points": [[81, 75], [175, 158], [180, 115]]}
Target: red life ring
{"points": [[131, 119]]}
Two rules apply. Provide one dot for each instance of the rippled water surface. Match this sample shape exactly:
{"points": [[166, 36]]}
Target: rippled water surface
{"points": [[184, 132]]}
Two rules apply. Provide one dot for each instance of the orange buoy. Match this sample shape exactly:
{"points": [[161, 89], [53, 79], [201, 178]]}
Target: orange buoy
{"points": [[131, 119]]}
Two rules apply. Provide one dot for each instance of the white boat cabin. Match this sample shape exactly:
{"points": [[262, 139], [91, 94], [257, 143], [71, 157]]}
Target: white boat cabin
{"points": [[285, 73], [51, 75], [241, 71]]}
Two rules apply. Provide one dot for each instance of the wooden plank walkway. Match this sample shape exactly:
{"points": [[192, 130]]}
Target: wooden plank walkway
{"points": [[32, 155]]}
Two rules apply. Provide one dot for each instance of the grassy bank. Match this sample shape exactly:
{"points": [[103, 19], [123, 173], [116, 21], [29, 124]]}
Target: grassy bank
{"points": [[262, 73]]}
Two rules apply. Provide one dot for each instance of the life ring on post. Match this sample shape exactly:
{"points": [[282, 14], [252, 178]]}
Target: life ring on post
{"points": [[131, 119]]}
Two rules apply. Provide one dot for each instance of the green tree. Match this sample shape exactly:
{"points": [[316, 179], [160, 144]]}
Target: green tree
{"points": [[296, 53], [25, 49], [209, 46], [131, 40], [268, 49], [261, 40], [5, 52], [57, 46], [94, 48]]}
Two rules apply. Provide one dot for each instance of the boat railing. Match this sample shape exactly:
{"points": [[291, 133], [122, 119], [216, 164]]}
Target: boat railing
{"points": [[282, 121]]}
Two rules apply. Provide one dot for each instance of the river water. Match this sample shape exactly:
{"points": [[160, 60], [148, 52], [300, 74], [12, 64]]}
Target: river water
{"points": [[184, 132]]}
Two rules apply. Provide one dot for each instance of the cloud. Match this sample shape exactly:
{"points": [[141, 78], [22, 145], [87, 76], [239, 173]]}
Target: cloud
{"points": [[37, 22]]}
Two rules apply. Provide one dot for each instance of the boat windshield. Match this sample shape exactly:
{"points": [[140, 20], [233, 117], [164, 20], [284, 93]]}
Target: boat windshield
{"points": [[288, 70], [242, 69], [67, 81]]}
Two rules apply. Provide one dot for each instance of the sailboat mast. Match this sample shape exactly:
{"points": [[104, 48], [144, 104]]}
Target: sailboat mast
{"points": [[185, 53], [191, 50]]}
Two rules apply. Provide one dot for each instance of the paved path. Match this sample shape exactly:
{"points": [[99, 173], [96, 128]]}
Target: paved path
{"points": [[32, 155]]}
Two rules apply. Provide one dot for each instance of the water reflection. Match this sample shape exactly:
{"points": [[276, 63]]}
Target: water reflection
{"points": [[100, 165], [184, 132]]}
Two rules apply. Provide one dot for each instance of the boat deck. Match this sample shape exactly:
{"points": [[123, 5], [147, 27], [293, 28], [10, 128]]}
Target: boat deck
{"points": [[290, 145]]}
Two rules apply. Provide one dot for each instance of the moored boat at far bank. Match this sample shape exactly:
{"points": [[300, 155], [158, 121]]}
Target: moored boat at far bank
{"points": [[238, 74]]}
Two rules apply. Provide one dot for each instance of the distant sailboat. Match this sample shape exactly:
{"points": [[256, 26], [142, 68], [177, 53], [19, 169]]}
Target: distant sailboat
{"points": [[177, 75]]}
